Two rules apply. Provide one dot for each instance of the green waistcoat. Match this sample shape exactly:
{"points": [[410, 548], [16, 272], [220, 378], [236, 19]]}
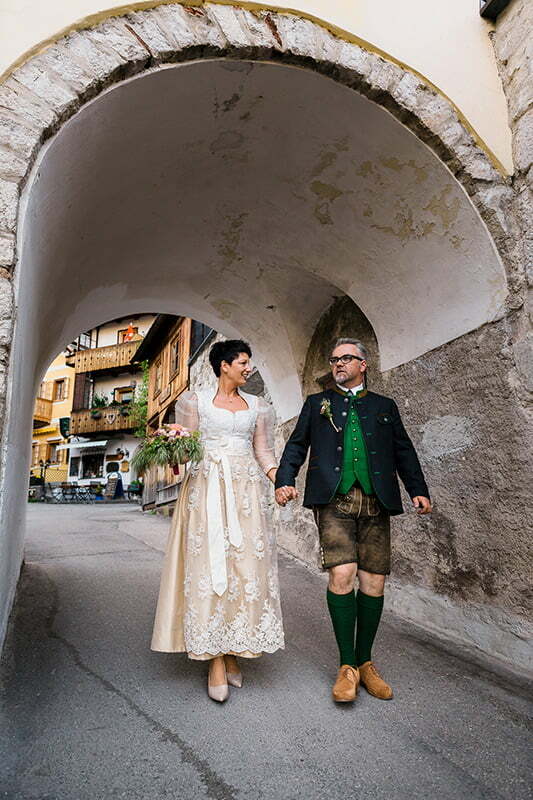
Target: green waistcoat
{"points": [[355, 468]]}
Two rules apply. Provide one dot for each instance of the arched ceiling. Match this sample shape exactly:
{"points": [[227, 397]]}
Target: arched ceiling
{"points": [[248, 195]]}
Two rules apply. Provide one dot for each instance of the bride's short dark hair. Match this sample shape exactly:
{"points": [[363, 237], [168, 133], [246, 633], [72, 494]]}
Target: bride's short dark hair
{"points": [[227, 351]]}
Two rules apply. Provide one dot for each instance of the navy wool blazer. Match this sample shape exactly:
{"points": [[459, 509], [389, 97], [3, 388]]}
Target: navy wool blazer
{"points": [[389, 449]]}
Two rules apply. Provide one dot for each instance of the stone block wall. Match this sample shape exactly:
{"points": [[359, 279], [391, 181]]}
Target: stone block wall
{"points": [[513, 46]]}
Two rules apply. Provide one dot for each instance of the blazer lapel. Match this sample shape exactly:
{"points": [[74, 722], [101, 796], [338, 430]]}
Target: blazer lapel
{"points": [[336, 398]]}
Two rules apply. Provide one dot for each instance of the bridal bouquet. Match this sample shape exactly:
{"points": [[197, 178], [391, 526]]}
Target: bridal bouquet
{"points": [[168, 446]]}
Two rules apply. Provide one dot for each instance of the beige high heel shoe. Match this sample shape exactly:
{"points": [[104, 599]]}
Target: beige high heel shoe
{"points": [[219, 693], [234, 678]]}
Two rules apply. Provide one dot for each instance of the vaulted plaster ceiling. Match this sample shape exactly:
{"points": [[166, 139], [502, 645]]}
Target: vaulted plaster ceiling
{"points": [[248, 195]]}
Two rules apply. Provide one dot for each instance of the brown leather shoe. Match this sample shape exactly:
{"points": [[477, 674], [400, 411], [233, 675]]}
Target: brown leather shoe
{"points": [[373, 682], [347, 684]]}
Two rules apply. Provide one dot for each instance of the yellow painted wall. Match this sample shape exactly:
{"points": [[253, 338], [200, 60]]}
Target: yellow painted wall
{"points": [[446, 42], [56, 371], [51, 433]]}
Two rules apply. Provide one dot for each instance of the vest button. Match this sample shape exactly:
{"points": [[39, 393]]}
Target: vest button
{"points": [[339, 448], [337, 469], [346, 400], [344, 413]]}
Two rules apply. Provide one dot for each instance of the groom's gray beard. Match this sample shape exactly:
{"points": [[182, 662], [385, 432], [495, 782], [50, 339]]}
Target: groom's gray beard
{"points": [[341, 379]]}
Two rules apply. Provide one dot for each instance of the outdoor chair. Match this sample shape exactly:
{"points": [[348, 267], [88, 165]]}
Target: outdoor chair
{"points": [[51, 494]]}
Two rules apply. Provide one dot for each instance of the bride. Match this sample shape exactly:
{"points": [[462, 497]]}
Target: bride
{"points": [[219, 594]]}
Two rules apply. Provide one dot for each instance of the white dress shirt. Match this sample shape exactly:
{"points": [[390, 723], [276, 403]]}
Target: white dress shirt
{"points": [[352, 391]]}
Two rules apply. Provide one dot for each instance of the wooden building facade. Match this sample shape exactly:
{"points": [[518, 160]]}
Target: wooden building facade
{"points": [[168, 347]]}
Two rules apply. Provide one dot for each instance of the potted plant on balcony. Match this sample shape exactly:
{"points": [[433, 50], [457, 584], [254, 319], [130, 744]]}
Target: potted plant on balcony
{"points": [[99, 401]]}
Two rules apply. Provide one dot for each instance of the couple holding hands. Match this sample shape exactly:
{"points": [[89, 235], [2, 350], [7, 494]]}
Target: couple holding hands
{"points": [[219, 594]]}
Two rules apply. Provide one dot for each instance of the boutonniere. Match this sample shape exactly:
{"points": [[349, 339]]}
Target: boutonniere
{"points": [[325, 410]]}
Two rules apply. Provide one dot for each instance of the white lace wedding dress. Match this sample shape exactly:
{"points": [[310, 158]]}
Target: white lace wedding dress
{"points": [[219, 588]]}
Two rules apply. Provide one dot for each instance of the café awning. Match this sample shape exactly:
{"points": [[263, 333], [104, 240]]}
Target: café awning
{"points": [[83, 445]]}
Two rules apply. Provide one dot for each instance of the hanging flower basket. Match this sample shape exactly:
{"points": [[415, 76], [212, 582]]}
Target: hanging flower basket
{"points": [[168, 447]]}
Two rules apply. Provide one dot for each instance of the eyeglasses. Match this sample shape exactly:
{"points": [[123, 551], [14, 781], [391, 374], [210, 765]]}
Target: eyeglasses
{"points": [[343, 359]]}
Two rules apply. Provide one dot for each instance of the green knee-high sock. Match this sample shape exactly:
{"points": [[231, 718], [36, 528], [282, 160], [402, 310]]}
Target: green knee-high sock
{"points": [[368, 616], [343, 610]]}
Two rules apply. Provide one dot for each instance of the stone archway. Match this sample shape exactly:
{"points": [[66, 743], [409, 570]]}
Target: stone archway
{"points": [[309, 132]]}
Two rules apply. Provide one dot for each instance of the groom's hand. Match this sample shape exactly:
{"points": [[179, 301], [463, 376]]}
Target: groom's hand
{"points": [[284, 494], [422, 505]]}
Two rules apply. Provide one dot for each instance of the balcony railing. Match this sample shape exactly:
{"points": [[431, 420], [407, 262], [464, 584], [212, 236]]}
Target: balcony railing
{"points": [[101, 358], [42, 412], [109, 419]]}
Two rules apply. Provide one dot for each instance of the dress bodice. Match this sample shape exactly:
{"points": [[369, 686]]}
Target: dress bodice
{"points": [[247, 432], [231, 430]]}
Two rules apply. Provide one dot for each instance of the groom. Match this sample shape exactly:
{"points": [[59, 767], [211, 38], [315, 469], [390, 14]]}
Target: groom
{"points": [[358, 446]]}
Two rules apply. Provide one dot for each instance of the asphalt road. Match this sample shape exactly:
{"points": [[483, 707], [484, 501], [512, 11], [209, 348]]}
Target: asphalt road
{"points": [[89, 712]]}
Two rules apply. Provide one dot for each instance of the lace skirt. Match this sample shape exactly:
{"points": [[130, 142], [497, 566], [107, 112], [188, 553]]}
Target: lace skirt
{"points": [[219, 589]]}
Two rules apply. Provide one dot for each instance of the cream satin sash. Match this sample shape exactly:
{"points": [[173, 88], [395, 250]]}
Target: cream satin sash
{"points": [[215, 522]]}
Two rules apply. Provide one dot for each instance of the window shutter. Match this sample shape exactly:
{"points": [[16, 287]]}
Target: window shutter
{"points": [[47, 390], [80, 398]]}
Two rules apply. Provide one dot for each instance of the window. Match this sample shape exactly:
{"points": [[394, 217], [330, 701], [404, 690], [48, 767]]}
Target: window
{"points": [[92, 465], [74, 466], [158, 378], [124, 394], [128, 334], [60, 390], [200, 333], [52, 453], [85, 341], [35, 453], [176, 355], [46, 390]]}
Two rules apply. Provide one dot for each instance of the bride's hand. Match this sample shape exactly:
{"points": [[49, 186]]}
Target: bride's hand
{"points": [[271, 474]]}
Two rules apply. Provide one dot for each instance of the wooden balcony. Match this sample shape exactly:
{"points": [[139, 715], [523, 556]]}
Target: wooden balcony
{"points": [[104, 358], [42, 412], [111, 419]]}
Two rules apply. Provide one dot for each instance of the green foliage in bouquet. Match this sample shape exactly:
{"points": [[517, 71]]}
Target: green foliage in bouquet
{"points": [[168, 448]]}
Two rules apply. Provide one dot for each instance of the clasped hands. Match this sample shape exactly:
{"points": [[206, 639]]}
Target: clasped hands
{"points": [[284, 494]]}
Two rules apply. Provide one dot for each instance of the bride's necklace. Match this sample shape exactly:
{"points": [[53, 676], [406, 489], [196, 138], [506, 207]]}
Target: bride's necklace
{"points": [[227, 398]]}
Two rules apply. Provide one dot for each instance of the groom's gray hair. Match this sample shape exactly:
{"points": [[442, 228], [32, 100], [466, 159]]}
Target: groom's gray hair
{"points": [[360, 346]]}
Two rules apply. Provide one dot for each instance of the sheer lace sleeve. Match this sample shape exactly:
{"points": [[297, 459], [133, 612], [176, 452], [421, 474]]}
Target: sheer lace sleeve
{"points": [[264, 436], [186, 409]]}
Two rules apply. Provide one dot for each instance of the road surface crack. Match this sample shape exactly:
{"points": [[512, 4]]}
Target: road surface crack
{"points": [[215, 786]]}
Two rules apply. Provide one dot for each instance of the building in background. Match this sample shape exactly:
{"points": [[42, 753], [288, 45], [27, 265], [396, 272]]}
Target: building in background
{"points": [[167, 347], [51, 416], [102, 439]]}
